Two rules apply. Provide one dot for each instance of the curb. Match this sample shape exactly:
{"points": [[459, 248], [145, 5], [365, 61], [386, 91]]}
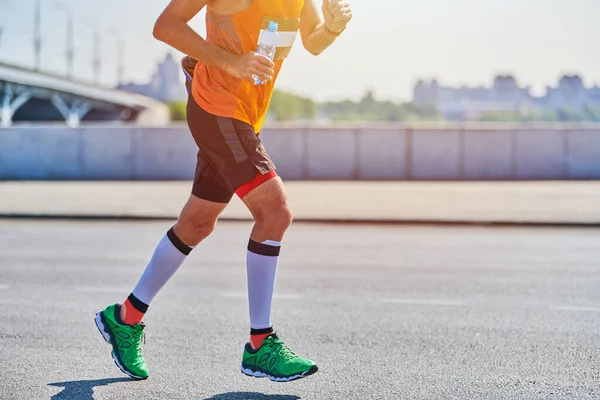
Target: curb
{"points": [[340, 221]]}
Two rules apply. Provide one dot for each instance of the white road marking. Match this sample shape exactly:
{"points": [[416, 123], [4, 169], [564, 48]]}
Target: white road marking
{"points": [[4, 287], [576, 308], [424, 302]]}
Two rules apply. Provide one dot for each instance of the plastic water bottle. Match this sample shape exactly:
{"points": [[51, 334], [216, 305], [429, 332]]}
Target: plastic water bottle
{"points": [[266, 46]]}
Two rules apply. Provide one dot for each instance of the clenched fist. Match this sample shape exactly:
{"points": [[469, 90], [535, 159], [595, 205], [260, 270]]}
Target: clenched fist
{"points": [[337, 14]]}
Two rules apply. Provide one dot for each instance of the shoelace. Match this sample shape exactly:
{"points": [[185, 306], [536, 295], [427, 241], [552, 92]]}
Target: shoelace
{"points": [[280, 348], [137, 338]]}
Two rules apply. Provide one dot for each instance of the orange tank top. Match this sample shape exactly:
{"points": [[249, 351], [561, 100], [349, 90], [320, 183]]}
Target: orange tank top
{"points": [[218, 92]]}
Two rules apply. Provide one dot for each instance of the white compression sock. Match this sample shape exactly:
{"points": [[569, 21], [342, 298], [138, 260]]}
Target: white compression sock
{"points": [[261, 267], [170, 253]]}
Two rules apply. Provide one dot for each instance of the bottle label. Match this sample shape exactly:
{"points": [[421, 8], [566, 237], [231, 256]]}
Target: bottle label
{"points": [[283, 39]]}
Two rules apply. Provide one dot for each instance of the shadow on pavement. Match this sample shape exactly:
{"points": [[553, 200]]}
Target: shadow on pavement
{"points": [[252, 396], [82, 390]]}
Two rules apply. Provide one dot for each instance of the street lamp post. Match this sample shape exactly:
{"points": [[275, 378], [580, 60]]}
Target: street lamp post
{"points": [[96, 56], [97, 59], [120, 54], [37, 35], [120, 59], [70, 53]]}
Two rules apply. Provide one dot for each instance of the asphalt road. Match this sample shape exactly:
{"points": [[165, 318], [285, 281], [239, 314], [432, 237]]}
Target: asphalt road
{"points": [[388, 312]]}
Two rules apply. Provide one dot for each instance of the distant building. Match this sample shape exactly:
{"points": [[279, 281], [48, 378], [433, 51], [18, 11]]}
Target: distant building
{"points": [[505, 94], [570, 94], [166, 84]]}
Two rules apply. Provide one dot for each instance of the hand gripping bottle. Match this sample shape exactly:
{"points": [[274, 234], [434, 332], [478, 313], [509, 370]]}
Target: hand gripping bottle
{"points": [[266, 46]]}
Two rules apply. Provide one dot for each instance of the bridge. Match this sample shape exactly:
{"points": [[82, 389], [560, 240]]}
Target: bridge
{"points": [[28, 95]]}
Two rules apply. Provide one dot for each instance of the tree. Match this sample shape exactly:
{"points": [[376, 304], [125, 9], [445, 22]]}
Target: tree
{"points": [[177, 110], [370, 109], [288, 106], [567, 115], [591, 114]]}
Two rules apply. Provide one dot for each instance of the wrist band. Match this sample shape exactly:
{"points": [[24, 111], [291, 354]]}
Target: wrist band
{"points": [[329, 31]]}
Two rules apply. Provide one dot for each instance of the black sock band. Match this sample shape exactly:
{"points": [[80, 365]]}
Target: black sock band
{"points": [[261, 331], [138, 304], [182, 247], [263, 249]]}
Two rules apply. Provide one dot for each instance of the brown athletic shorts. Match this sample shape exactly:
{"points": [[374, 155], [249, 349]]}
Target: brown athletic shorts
{"points": [[230, 154]]}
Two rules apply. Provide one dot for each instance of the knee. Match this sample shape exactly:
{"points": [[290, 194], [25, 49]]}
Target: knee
{"points": [[284, 217], [192, 231], [278, 219], [204, 228]]}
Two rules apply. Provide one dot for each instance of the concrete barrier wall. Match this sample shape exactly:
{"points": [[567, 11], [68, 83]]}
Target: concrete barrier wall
{"points": [[109, 154], [394, 152], [542, 154], [489, 154], [436, 154], [288, 151], [583, 149], [164, 154], [332, 154], [40, 154], [382, 154]]}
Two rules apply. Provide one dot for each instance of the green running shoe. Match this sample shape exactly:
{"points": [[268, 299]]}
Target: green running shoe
{"points": [[275, 361], [125, 340]]}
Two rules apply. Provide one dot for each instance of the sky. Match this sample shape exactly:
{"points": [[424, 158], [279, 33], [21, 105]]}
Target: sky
{"points": [[387, 47]]}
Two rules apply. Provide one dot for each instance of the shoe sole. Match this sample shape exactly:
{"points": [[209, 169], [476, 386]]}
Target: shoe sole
{"points": [[260, 374], [99, 320]]}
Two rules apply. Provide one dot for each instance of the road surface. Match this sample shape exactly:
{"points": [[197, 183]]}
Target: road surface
{"points": [[388, 312]]}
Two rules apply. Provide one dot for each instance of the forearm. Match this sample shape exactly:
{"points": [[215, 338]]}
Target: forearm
{"points": [[182, 37], [320, 27], [319, 40]]}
